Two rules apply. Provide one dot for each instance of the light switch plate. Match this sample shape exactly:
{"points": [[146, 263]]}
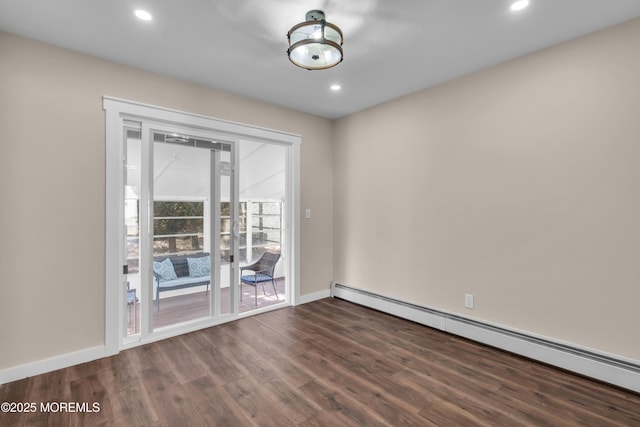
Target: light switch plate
{"points": [[468, 300]]}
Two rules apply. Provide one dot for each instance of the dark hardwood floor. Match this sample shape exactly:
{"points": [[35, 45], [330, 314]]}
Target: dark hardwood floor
{"points": [[326, 363]]}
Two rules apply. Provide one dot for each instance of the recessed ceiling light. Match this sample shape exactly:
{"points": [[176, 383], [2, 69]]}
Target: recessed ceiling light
{"points": [[143, 14], [519, 5], [336, 87]]}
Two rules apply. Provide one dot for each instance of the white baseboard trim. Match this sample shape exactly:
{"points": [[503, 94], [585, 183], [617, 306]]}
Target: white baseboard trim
{"points": [[313, 297], [605, 367], [51, 364]]}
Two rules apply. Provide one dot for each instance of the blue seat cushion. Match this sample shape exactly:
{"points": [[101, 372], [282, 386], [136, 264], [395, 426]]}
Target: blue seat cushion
{"points": [[183, 281], [256, 278]]}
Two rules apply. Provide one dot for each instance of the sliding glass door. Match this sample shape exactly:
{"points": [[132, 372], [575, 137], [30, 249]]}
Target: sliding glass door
{"points": [[180, 217]]}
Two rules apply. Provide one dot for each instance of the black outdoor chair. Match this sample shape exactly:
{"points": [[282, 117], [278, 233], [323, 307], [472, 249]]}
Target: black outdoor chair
{"points": [[263, 272]]}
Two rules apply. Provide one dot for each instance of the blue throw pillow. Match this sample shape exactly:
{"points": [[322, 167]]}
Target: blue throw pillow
{"points": [[199, 267], [165, 270]]}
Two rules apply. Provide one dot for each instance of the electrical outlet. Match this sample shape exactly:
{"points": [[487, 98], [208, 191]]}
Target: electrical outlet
{"points": [[468, 300]]}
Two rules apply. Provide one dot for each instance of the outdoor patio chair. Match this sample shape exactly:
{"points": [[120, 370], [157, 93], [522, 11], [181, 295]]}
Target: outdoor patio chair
{"points": [[262, 272]]}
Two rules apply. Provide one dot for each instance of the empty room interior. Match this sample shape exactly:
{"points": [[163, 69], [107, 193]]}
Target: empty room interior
{"points": [[320, 213]]}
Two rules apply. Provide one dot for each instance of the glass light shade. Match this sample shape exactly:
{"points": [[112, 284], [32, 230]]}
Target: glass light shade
{"points": [[315, 44]]}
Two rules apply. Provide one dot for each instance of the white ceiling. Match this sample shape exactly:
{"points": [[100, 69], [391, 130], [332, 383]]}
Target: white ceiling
{"points": [[392, 48]]}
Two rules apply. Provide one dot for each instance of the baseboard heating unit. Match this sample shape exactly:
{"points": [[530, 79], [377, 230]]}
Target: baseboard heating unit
{"points": [[604, 367]]}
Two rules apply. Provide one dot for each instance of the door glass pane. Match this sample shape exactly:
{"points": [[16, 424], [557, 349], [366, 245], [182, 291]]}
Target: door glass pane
{"points": [[181, 239], [266, 227], [262, 220], [132, 228]]}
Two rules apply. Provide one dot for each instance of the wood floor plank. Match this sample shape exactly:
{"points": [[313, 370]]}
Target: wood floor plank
{"points": [[466, 380], [175, 352], [292, 374], [87, 391], [218, 366], [132, 406], [52, 387], [513, 376], [169, 400], [214, 404], [248, 362], [271, 342], [385, 404], [338, 409], [294, 405], [257, 403], [326, 363], [454, 399]]}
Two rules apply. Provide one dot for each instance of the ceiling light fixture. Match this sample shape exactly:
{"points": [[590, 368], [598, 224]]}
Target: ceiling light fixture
{"points": [[315, 44], [143, 14], [335, 87], [519, 5]]}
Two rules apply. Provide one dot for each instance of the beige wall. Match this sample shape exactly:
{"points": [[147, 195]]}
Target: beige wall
{"points": [[52, 176], [517, 184]]}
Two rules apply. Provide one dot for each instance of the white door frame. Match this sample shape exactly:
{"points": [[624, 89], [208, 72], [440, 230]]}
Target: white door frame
{"points": [[119, 110]]}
